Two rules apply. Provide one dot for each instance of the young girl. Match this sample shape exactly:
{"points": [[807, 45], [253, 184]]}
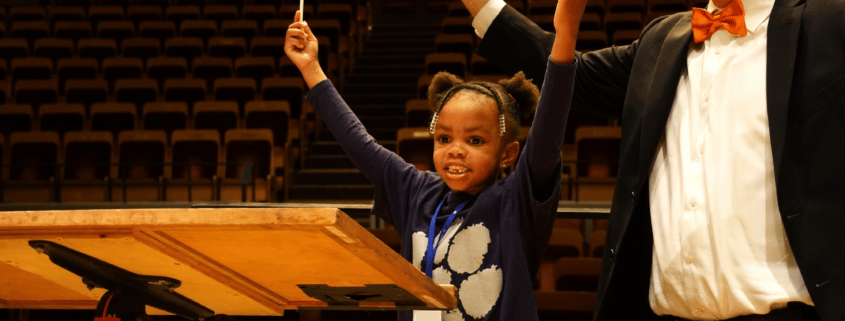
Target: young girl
{"points": [[460, 225]]}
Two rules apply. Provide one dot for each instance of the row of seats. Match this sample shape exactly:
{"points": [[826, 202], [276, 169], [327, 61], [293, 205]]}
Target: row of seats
{"points": [[203, 29], [137, 92], [547, 7], [166, 116], [206, 33], [175, 13], [161, 73], [193, 165]]}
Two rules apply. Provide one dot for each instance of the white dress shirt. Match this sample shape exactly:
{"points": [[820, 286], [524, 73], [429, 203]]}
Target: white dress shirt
{"points": [[720, 249]]}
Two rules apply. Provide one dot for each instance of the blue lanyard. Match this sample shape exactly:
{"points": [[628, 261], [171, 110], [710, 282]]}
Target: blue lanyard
{"points": [[432, 248]]}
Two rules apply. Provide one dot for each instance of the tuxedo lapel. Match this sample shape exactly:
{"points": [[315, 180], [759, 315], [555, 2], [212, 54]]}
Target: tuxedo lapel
{"points": [[671, 61], [784, 27]]}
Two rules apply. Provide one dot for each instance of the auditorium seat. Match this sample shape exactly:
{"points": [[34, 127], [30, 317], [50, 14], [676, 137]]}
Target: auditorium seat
{"points": [[597, 241], [218, 115], [287, 11], [32, 68], [96, 48], [622, 21], [589, 40], [564, 243], [203, 29], [30, 30], [667, 6], [160, 30], [590, 21], [119, 3], [256, 68], [195, 156], [188, 48], [480, 66], [226, 47], [188, 91], [277, 27], [242, 147], [36, 92], [11, 49], [246, 29], [141, 155], [595, 6], [290, 89], [211, 68], [163, 68], [73, 30], [16, 118], [451, 62], [116, 30], [138, 14], [417, 113], [342, 12], [88, 158], [96, 14], [166, 116], [577, 274], [66, 13], [259, 13], [287, 68], [276, 116], [4, 91], [115, 69], [458, 43], [76, 3], [219, 13], [143, 48], [27, 13], [541, 7], [267, 47], [157, 3], [137, 91], [598, 155], [544, 21], [457, 25], [416, 146], [178, 13], [33, 167], [240, 90], [634, 6], [61, 118], [422, 86], [624, 37], [113, 117], [86, 91], [457, 9]]}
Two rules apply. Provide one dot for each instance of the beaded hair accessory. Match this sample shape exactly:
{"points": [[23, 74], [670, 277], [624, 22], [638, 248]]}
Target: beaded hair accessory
{"points": [[469, 86]]}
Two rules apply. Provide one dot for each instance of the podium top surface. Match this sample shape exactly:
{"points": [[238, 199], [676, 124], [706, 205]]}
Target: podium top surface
{"points": [[237, 261]]}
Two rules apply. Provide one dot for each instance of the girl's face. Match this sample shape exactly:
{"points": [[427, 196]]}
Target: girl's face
{"points": [[468, 151]]}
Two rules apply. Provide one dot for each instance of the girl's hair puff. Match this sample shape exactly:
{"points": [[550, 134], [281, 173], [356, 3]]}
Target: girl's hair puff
{"points": [[518, 96]]}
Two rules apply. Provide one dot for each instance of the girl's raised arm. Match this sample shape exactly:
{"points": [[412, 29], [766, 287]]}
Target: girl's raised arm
{"points": [[301, 47]]}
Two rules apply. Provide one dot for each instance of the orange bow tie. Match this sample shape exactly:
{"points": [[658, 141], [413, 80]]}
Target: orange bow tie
{"points": [[732, 18]]}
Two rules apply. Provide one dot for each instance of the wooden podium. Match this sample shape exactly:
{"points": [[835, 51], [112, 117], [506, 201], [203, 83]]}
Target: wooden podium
{"points": [[235, 261]]}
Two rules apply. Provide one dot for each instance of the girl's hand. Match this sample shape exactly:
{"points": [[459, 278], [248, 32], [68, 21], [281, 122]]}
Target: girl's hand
{"points": [[301, 47], [567, 19]]}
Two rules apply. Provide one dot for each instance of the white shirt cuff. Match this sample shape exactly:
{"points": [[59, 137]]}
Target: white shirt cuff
{"points": [[486, 15]]}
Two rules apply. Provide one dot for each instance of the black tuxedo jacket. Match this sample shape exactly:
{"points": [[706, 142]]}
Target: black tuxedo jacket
{"points": [[805, 91]]}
